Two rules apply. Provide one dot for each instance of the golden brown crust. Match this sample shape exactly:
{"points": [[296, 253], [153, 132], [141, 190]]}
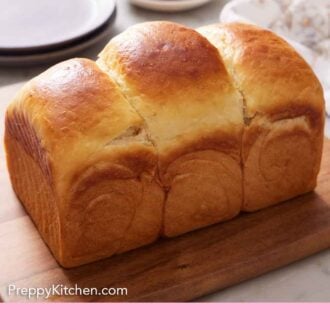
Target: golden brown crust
{"points": [[69, 98], [77, 112], [74, 95], [187, 113], [110, 214], [173, 104], [162, 59], [80, 131], [268, 71], [175, 79], [280, 161], [284, 113], [165, 134], [18, 128], [34, 191], [203, 187], [218, 141]]}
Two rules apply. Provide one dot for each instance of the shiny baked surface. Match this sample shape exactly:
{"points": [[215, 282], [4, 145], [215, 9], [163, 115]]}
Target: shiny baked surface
{"points": [[169, 131], [283, 113], [271, 74]]}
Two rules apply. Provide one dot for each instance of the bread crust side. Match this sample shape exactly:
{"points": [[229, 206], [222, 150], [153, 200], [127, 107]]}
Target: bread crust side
{"points": [[74, 129], [34, 189], [272, 76], [283, 113]]}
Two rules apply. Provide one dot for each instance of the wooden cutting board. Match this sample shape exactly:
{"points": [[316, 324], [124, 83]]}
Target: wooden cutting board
{"points": [[177, 269]]}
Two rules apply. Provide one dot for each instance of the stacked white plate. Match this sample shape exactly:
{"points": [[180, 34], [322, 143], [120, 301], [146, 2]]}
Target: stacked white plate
{"points": [[40, 31], [169, 5]]}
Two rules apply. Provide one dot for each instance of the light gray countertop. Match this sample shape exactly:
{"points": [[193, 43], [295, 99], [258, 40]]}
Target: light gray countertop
{"points": [[305, 280]]}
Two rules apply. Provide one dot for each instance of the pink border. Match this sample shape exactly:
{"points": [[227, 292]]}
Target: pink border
{"points": [[165, 316]]}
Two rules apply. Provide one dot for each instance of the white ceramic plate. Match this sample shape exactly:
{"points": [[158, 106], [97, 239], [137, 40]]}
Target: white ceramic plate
{"points": [[30, 25], [169, 5], [47, 57]]}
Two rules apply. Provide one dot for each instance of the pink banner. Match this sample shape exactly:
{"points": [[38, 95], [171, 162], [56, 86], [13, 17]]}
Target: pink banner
{"points": [[165, 316]]}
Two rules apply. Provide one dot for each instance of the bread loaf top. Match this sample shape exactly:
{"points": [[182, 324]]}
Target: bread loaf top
{"points": [[162, 59], [274, 79], [176, 80], [78, 117]]}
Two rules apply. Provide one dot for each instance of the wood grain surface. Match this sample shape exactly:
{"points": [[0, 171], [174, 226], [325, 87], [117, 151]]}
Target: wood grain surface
{"points": [[177, 269]]}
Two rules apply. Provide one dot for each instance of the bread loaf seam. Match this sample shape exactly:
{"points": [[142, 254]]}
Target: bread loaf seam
{"points": [[152, 141], [116, 73]]}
